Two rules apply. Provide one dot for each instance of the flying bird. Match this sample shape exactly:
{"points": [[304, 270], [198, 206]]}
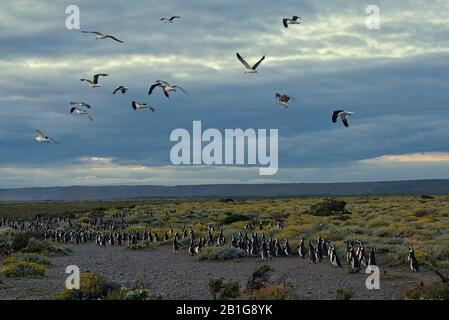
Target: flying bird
{"points": [[343, 115], [139, 106], [122, 89], [94, 83], [101, 36], [171, 19], [282, 100], [293, 20], [81, 112], [249, 69], [40, 137], [165, 86], [81, 104]]}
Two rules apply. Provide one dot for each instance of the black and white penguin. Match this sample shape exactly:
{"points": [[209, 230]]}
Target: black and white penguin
{"points": [[334, 258], [302, 249], [414, 265], [372, 257], [312, 253], [175, 245]]}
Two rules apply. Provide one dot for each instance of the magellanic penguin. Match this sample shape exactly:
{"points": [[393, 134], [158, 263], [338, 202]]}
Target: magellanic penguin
{"points": [[312, 254], [372, 257], [302, 249], [414, 265], [334, 258], [175, 245]]}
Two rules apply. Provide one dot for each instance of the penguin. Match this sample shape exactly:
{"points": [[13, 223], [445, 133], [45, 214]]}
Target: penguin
{"points": [[312, 254], [372, 257], [265, 252], [334, 258], [355, 263], [287, 250], [191, 248], [175, 245], [302, 249], [319, 249], [414, 265]]}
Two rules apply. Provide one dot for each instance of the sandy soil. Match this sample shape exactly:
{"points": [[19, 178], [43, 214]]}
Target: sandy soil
{"points": [[183, 277]]}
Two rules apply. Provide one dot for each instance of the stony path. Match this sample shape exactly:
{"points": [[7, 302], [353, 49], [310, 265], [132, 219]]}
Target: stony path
{"points": [[183, 277]]}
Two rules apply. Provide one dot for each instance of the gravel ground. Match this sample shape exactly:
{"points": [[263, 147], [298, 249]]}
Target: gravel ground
{"points": [[183, 277]]}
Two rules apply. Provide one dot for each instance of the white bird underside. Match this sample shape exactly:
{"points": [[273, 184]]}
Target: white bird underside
{"points": [[249, 69]]}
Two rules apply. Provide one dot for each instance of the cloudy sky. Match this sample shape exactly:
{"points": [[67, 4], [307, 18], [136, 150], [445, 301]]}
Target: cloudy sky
{"points": [[394, 79]]}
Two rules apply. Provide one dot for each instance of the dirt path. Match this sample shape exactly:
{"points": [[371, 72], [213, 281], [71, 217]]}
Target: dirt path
{"points": [[183, 277]]}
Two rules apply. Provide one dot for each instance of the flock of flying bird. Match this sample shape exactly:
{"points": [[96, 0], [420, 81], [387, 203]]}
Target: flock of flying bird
{"points": [[83, 109]]}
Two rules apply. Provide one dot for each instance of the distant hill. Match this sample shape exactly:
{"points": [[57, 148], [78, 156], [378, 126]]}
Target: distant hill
{"points": [[226, 190]]}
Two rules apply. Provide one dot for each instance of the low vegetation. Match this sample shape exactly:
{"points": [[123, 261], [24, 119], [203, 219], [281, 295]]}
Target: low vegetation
{"points": [[221, 253], [94, 286]]}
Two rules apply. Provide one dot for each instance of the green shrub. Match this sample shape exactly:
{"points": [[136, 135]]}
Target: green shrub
{"points": [[435, 291], [134, 294], [23, 269], [93, 286], [345, 294], [26, 257], [328, 207], [20, 241], [48, 248], [224, 291], [221, 253]]}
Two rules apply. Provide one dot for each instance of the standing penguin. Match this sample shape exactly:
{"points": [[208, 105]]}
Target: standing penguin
{"points": [[287, 250], [414, 265], [372, 257], [175, 245], [312, 254], [302, 249], [334, 258], [265, 252], [191, 248], [319, 249]]}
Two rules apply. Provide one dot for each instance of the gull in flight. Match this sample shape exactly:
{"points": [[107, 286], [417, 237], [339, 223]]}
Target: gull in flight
{"points": [[139, 106], [81, 104], [282, 100], [40, 137], [101, 36], [249, 69], [81, 112], [122, 89], [170, 20], [166, 87], [293, 20], [343, 115], [94, 83]]}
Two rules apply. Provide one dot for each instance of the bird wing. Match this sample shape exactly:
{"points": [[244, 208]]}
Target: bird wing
{"points": [[134, 104], [40, 134], [152, 108], [165, 91], [243, 61], [96, 76], [258, 62], [178, 87], [114, 38], [164, 19], [345, 121], [72, 109], [284, 22], [89, 81], [99, 33], [152, 88], [295, 18], [174, 17], [335, 115]]}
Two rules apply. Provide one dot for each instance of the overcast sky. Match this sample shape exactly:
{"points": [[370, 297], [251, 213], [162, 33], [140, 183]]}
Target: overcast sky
{"points": [[394, 79]]}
